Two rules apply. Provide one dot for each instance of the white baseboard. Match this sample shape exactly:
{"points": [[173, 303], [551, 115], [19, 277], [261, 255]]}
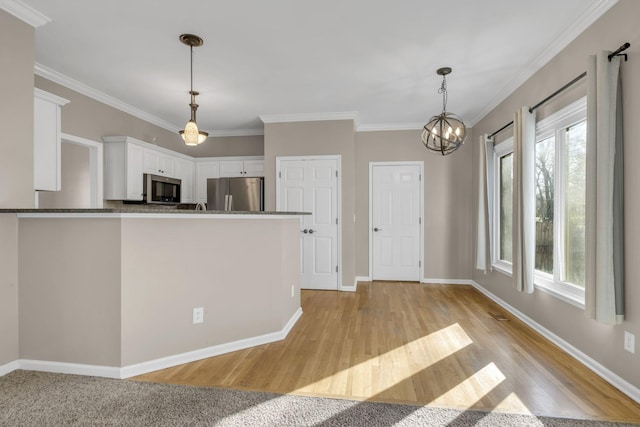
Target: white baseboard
{"points": [[612, 378], [353, 288], [9, 367], [448, 281], [152, 365], [70, 368], [216, 350]]}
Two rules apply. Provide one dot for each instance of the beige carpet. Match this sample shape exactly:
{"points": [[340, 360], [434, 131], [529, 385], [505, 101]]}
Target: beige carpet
{"points": [[42, 399]]}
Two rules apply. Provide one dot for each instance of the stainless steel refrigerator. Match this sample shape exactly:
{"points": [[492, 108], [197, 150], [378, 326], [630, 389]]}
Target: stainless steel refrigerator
{"points": [[235, 194]]}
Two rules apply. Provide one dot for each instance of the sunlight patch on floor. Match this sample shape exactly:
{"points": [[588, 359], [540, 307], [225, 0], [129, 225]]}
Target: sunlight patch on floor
{"points": [[512, 403], [379, 373], [472, 389]]}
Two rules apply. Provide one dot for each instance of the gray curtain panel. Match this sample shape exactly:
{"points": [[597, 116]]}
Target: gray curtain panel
{"points": [[604, 292]]}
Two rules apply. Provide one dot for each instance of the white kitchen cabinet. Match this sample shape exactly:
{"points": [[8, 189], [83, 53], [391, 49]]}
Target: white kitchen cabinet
{"points": [[46, 140], [123, 172], [158, 163], [205, 170], [184, 170], [241, 168]]}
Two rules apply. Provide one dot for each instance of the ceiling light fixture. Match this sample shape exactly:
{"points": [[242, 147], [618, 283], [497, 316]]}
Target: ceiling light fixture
{"points": [[191, 135], [444, 133]]}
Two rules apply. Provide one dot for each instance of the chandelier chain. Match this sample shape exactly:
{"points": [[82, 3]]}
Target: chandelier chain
{"points": [[191, 69], [443, 91]]}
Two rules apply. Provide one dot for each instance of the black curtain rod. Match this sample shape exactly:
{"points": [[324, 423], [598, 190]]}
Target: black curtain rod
{"points": [[617, 52]]}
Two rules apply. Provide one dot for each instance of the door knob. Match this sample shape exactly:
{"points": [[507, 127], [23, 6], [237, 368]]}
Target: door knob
{"points": [[377, 229], [305, 231], [310, 231]]}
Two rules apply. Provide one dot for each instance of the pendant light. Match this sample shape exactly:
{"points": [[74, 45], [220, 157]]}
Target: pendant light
{"points": [[444, 133], [191, 135]]}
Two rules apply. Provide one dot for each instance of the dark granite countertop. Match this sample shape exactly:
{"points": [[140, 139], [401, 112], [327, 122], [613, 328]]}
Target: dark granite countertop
{"points": [[147, 210]]}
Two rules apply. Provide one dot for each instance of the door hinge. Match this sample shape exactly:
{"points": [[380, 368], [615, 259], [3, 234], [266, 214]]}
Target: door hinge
{"points": [[336, 268], [279, 174], [419, 263], [336, 174], [420, 221], [336, 221]]}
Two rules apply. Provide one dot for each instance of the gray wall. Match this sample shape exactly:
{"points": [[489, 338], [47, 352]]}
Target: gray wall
{"points": [[87, 118], [238, 271], [116, 292], [9, 341], [331, 137], [75, 181], [602, 343], [16, 164], [16, 113], [447, 200], [70, 290]]}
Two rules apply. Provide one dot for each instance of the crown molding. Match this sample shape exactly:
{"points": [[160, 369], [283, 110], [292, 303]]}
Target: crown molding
{"points": [[390, 127], [311, 117], [75, 85], [587, 17], [238, 132], [68, 82], [24, 12]]}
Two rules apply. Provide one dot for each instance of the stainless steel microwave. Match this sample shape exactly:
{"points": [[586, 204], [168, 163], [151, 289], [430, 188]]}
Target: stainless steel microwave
{"points": [[161, 189]]}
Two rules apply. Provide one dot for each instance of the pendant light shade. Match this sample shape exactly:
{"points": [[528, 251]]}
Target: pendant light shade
{"points": [[191, 135], [446, 132]]}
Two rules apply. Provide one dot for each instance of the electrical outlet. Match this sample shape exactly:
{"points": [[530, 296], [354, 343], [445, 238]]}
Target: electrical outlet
{"points": [[293, 291], [629, 342], [198, 315]]}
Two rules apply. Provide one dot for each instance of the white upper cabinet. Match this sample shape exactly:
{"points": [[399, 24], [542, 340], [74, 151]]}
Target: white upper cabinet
{"points": [[205, 169], [127, 159], [159, 163], [241, 168], [46, 140], [184, 170], [122, 169]]}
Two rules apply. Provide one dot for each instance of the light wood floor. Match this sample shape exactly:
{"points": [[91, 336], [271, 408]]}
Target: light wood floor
{"points": [[414, 343]]}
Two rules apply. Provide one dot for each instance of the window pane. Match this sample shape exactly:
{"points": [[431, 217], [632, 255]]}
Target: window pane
{"points": [[545, 154], [575, 193], [506, 198]]}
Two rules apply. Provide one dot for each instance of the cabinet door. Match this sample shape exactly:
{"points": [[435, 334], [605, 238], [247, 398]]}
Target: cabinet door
{"points": [[134, 172], [46, 145], [253, 168], [167, 165], [151, 161], [184, 171], [158, 163], [204, 171], [231, 168]]}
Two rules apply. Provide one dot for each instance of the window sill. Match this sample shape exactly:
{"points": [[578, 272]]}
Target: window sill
{"points": [[542, 284], [569, 298], [502, 267]]}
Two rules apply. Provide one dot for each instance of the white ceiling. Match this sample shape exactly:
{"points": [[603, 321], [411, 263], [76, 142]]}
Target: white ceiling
{"points": [[376, 58]]}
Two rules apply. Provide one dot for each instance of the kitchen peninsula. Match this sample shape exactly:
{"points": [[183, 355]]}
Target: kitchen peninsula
{"points": [[112, 292]]}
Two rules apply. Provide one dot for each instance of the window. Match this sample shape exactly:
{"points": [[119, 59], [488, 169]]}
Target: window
{"points": [[560, 187], [560, 190], [503, 190]]}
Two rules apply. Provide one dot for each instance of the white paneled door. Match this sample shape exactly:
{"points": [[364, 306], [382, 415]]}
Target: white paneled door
{"points": [[311, 185], [396, 221]]}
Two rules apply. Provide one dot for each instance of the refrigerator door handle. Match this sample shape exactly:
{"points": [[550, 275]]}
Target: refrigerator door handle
{"points": [[230, 207]]}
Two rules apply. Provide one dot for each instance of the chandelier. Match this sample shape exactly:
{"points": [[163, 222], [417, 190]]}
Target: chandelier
{"points": [[191, 135], [444, 133]]}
